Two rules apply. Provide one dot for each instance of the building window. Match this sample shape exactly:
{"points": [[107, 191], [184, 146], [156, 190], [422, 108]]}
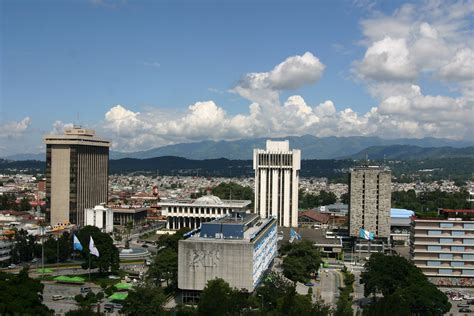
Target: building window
{"points": [[468, 241], [445, 225], [445, 256], [445, 271], [457, 264], [457, 233], [468, 272], [434, 232], [446, 240], [468, 226], [468, 256], [434, 248], [457, 248], [433, 263]]}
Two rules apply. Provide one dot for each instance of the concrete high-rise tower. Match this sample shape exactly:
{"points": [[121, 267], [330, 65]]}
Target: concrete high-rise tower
{"points": [[77, 168], [276, 182], [370, 201]]}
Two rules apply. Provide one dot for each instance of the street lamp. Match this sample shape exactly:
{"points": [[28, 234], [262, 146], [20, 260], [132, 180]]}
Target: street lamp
{"points": [[261, 296]]}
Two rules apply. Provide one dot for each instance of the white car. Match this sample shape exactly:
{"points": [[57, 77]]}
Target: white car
{"points": [[12, 266], [457, 298]]}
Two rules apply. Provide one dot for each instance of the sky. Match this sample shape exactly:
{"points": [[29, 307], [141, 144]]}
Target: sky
{"points": [[145, 74]]}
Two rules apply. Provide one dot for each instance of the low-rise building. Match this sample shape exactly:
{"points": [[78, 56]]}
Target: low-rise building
{"points": [[191, 213], [238, 248], [312, 218], [101, 217], [443, 247], [124, 215]]}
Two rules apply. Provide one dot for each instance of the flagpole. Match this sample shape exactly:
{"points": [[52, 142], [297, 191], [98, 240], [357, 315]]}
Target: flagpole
{"points": [[89, 266]]}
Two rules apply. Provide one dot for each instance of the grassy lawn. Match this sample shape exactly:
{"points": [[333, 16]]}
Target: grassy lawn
{"points": [[96, 278]]}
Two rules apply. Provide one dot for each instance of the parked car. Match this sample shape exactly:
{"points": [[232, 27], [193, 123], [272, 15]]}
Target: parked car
{"points": [[461, 305], [34, 260], [118, 306], [109, 308], [456, 298], [309, 284], [470, 302], [12, 266], [85, 289], [465, 310], [58, 297]]}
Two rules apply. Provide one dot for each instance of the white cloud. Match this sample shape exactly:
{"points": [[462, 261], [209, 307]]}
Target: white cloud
{"points": [[14, 129], [461, 67], [387, 59], [59, 127], [294, 72], [419, 39]]}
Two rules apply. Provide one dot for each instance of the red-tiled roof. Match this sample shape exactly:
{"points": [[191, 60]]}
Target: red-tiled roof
{"points": [[456, 211], [316, 216]]}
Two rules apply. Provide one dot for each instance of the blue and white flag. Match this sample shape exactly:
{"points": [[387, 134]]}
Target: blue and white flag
{"points": [[365, 234], [76, 244], [294, 235], [92, 248]]}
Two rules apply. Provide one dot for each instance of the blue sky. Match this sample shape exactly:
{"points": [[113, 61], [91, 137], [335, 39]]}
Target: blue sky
{"points": [[66, 62]]}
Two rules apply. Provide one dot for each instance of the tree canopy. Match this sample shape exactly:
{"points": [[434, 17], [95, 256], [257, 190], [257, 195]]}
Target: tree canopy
{"points": [[109, 255], [401, 281], [301, 260], [144, 300], [21, 295], [309, 200]]}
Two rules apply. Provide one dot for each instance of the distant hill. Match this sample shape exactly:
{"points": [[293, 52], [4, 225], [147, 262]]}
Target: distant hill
{"points": [[27, 156], [311, 147], [410, 152]]}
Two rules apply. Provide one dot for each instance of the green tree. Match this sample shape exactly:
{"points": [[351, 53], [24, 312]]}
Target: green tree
{"points": [[24, 205], [25, 247], [234, 191], [144, 300], [164, 267], [8, 202], [109, 254], [400, 281], [21, 295], [230, 300], [301, 262]]}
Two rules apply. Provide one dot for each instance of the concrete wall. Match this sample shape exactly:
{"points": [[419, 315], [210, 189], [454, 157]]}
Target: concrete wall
{"points": [[370, 201], [203, 260]]}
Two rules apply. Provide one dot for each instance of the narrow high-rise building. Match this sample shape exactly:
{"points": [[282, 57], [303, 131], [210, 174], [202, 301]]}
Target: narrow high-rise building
{"points": [[276, 182], [77, 168], [370, 201]]}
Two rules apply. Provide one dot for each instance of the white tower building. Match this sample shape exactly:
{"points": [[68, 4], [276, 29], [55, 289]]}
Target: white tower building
{"points": [[276, 182]]}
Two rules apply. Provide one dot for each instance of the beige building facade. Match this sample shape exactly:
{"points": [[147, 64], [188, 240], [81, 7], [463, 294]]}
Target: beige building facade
{"points": [[77, 167]]}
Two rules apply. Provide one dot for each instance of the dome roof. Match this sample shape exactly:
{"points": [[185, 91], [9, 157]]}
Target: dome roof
{"points": [[208, 200]]}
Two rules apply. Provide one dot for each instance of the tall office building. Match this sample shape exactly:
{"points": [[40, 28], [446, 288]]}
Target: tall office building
{"points": [[276, 182], [370, 201], [77, 167]]}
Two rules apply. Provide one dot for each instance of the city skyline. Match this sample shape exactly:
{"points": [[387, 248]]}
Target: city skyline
{"points": [[148, 74]]}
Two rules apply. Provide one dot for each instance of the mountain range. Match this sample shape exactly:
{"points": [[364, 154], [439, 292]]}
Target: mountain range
{"points": [[311, 148], [410, 152]]}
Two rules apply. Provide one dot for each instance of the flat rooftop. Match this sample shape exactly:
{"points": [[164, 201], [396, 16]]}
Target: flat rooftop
{"points": [[227, 227], [206, 201]]}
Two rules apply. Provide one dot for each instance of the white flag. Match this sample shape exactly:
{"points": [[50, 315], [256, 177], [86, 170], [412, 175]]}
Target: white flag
{"points": [[93, 250]]}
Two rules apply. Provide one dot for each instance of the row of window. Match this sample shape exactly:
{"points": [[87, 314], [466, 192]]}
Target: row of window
{"points": [[194, 210], [453, 233], [450, 256], [450, 271], [438, 263], [438, 248], [451, 225]]}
